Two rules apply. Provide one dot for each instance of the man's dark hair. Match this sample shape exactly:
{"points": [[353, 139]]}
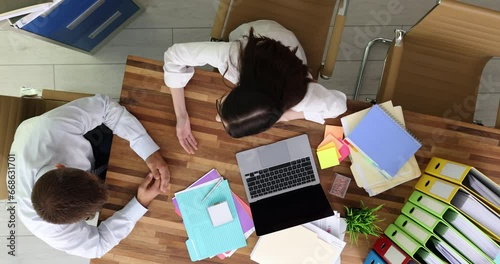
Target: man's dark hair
{"points": [[272, 80], [68, 195]]}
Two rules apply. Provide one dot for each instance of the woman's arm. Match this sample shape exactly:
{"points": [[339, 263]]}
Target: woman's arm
{"points": [[180, 60], [183, 127], [291, 115]]}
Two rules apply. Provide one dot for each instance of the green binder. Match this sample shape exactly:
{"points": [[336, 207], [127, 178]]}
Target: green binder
{"points": [[428, 239], [446, 232], [456, 219], [411, 246]]}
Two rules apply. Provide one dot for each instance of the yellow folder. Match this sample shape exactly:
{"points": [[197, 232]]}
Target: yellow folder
{"points": [[410, 245], [468, 177], [458, 221], [476, 210], [427, 238], [446, 232]]}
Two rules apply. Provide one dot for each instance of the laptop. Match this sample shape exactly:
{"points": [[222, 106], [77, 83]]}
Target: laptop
{"points": [[282, 185]]}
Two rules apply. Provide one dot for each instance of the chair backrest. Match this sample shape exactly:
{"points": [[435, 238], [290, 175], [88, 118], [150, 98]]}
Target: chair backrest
{"points": [[14, 110], [441, 60], [309, 20]]}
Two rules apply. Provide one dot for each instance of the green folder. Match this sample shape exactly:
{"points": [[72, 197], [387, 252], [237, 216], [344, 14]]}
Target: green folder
{"points": [[428, 239], [456, 219], [410, 245], [446, 232]]}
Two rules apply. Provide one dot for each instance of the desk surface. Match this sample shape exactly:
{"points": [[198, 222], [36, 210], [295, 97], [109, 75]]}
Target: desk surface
{"points": [[159, 236]]}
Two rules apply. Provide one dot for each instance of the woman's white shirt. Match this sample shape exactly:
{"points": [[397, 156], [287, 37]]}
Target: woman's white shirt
{"points": [[180, 60]]}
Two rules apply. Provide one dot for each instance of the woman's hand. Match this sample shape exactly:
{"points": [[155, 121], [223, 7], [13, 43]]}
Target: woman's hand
{"points": [[185, 136]]}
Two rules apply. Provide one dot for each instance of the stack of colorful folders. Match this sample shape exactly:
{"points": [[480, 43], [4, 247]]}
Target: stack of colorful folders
{"points": [[383, 136], [204, 239], [444, 222]]}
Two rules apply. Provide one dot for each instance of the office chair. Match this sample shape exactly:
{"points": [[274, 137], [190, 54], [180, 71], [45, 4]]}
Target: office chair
{"points": [[308, 20], [435, 68]]}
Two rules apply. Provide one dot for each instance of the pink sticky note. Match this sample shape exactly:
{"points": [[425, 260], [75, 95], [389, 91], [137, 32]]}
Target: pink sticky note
{"points": [[344, 151], [336, 131]]}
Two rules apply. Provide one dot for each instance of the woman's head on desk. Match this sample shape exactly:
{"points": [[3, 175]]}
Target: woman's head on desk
{"points": [[272, 80]]}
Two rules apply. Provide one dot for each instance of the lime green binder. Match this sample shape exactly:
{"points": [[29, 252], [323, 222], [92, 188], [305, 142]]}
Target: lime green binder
{"points": [[428, 239], [446, 233], [411, 246], [456, 219]]}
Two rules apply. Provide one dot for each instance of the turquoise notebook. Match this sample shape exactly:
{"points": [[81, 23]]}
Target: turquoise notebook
{"points": [[384, 141], [205, 240]]}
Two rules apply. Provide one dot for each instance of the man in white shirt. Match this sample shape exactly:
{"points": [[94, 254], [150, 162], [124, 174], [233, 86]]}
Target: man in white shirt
{"points": [[52, 163]]}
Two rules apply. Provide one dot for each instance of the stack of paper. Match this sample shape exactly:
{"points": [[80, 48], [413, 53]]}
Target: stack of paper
{"points": [[204, 239], [368, 175], [308, 243], [332, 150]]}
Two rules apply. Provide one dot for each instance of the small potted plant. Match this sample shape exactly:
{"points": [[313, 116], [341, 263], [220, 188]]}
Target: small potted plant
{"points": [[362, 221]]}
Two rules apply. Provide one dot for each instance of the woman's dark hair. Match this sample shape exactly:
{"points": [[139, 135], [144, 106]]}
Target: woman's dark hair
{"points": [[272, 80]]}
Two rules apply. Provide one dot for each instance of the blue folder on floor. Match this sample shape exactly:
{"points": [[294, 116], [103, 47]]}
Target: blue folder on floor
{"points": [[205, 240]]}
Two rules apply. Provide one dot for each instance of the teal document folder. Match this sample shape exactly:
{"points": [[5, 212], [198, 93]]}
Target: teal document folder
{"points": [[205, 240], [384, 141]]}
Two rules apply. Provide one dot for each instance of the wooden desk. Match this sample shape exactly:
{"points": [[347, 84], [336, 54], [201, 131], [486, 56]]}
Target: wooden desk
{"points": [[160, 235]]}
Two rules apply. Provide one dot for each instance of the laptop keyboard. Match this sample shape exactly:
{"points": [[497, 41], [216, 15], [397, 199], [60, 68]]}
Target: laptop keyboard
{"points": [[280, 177]]}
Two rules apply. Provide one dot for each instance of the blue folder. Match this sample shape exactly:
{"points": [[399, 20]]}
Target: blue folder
{"points": [[373, 258], [205, 240], [383, 140]]}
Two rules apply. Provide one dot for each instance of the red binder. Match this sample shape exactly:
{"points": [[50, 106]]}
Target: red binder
{"points": [[390, 252]]}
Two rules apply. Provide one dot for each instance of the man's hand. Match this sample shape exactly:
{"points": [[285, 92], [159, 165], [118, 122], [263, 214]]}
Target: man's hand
{"points": [[185, 136], [148, 190], [159, 170]]}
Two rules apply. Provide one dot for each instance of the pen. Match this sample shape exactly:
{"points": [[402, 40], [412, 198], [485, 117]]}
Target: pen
{"points": [[213, 188]]}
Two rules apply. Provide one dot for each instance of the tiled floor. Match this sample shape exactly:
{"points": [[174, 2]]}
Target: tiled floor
{"points": [[29, 62]]}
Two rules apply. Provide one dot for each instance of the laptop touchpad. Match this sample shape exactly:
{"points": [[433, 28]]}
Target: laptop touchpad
{"points": [[274, 154]]}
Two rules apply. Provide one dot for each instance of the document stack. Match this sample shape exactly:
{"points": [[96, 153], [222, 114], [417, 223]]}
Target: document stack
{"points": [[445, 222], [381, 149], [216, 220], [319, 242]]}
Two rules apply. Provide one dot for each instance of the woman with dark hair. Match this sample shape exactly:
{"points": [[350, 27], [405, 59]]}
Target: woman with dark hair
{"points": [[269, 68]]}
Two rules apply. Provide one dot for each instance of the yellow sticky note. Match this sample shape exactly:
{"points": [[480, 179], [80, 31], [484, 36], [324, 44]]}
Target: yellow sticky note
{"points": [[326, 146], [328, 158], [336, 131]]}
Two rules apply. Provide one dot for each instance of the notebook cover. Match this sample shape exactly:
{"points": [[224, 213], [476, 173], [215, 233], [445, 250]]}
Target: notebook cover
{"points": [[205, 240], [384, 141]]}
